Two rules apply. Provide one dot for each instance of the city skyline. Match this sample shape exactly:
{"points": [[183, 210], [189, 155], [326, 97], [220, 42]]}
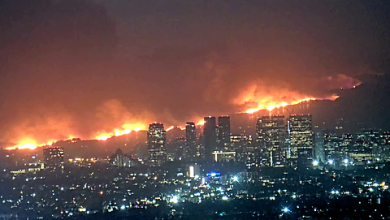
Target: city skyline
{"points": [[30, 143], [111, 75], [178, 109]]}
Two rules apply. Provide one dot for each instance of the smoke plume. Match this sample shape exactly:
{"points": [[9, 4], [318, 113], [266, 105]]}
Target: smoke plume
{"points": [[77, 68]]}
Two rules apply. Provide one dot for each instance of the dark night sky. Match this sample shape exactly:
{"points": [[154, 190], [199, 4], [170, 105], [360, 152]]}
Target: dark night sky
{"points": [[79, 67]]}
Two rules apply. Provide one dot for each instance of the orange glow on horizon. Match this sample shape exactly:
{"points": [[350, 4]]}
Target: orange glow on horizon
{"points": [[126, 129], [201, 122], [28, 143], [182, 128], [30, 146], [272, 106]]}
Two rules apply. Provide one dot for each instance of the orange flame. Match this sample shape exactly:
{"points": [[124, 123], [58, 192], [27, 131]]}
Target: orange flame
{"points": [[126, 129], [201, 122], [29, 144], [271, 106], [172, 127]]}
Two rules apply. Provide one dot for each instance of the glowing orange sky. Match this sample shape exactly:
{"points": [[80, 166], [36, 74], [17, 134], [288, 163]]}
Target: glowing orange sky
{"points": [[31, 144], [262, 104], [273, 106]]}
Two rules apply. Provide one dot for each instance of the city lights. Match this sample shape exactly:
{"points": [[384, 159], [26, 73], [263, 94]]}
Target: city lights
{"points": [[194, 109], [174, 199], [233, 157]]}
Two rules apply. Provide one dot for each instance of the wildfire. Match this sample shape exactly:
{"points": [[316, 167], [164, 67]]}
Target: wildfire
{"points": [[32, 144], [272, 106], [172, 127], [104, 136], [126, 129], [201, 122], [29, 144]]}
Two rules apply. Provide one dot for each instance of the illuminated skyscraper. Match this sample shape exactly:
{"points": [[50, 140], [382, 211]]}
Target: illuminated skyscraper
{"points": [[156, 145], [224, 133], [301, 138], [182, 150], [210, 137], [53, 157], [271, 136], [332, 146], [191, 139], [240, 142], [319, 149]]}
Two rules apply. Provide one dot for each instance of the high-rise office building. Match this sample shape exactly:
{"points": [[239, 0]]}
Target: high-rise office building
{"points": [[301, 138], [53, 157], [156, 145], [271, 137], [346, 142], [209, 137], [240, 142], [331, 146], [224, 133], [182, 149], [319, 150], [191, 139]]}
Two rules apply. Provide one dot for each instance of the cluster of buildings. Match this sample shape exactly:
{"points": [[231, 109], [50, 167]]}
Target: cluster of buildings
{"points": [[209, 163], [364, 148], [278, 142], [20, 163], [205, 163]]}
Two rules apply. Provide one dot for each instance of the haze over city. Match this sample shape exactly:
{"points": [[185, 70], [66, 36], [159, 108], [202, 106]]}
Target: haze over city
{"points": [[83, 68], [255, 109]]}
